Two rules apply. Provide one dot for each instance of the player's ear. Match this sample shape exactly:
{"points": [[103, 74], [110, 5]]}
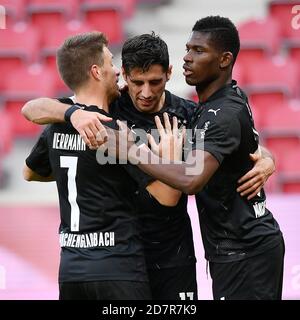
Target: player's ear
{"points": [[226, 59], [124, 74], [169, 72], [95, 72]]}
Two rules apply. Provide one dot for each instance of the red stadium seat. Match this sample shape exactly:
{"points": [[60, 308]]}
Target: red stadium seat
{"points": [[289, 176], [238, 74], [271, 81], [281, 10], [52, 39], [24, 84], [5, 133], [45, 14], [5, 142], [259, 39], [292, 43], [281, 130], [105, 17], [14, 51], [14, 11], [127, 6]]}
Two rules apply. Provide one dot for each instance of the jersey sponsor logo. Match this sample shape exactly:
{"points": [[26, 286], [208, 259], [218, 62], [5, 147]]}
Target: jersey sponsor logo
{"points": [[259, 208], [214, 111], [202, 133], [87, 240], [65, 141]]}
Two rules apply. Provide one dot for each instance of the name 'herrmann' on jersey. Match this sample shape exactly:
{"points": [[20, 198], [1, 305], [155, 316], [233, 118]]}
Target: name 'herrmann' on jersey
{"points": [[65, 141]]}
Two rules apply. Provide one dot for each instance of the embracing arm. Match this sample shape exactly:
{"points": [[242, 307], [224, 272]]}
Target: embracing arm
{"points": [[88, 125], [253, 181], [44, 111], [164, 194], [190, 177]]}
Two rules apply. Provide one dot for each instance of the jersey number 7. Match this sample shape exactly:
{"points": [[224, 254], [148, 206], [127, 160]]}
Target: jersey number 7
{"points": [[71, 164]]}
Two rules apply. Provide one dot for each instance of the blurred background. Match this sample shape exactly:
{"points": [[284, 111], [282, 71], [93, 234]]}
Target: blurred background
{"points": [[268, 69]]}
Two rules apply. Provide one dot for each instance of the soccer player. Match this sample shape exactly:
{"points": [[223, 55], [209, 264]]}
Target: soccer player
{"points": [[166, 228], [101, 251], [165, 224], [242, 240]]}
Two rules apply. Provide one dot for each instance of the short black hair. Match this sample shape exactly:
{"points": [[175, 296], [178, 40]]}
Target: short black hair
{"points": [[143, 51], [223, 33]]}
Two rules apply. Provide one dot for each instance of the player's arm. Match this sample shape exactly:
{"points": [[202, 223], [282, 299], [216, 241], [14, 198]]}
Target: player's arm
{"points": [[253, 181], [171, 140], [30, 175], [189, 176], [46, 110], [164, 194], [37, 165]]}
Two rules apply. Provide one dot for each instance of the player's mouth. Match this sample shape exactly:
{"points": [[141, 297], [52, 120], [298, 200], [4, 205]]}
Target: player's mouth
{"points": [[187, 71], [146, 103]]}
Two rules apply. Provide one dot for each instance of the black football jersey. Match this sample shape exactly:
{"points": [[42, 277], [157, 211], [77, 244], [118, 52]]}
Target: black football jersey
{"points": [[166, 231], [99, 230], [233, 228]]}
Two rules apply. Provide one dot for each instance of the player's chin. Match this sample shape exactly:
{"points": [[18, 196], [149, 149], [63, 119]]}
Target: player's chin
{"points": [[190, 81]]}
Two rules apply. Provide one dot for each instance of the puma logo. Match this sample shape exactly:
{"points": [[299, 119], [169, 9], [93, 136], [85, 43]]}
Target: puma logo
{"points": [[214, 111]]}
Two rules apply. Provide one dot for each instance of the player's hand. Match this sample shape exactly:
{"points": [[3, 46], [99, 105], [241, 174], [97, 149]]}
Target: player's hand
{"points": [[253, 181], [118, 142], [171, 139], [89, 127]]}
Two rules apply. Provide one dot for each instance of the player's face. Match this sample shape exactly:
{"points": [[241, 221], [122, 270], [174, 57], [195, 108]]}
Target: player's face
{"points": [[110, 74], [146, 88], [201, 62]]}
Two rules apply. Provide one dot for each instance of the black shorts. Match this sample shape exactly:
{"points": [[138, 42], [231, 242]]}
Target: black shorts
{"points": [[256, 278], [104, 290], [178, 283]]}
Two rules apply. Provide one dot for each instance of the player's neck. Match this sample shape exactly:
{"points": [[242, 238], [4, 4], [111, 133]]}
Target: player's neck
{"points": [[205, 91], [90, 96]]}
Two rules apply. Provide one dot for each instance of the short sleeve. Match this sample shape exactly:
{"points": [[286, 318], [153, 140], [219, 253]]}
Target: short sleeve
{"points": [[220, 138], [38, 159]]}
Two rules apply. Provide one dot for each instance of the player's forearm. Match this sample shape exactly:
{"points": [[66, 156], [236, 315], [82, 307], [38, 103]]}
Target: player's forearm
{"points": [[44, 111], [164, 194], [173, 174]]}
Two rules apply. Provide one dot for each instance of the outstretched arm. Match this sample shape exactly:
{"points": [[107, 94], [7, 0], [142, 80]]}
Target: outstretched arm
{"points": [[88, 125], [253, 181]]}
